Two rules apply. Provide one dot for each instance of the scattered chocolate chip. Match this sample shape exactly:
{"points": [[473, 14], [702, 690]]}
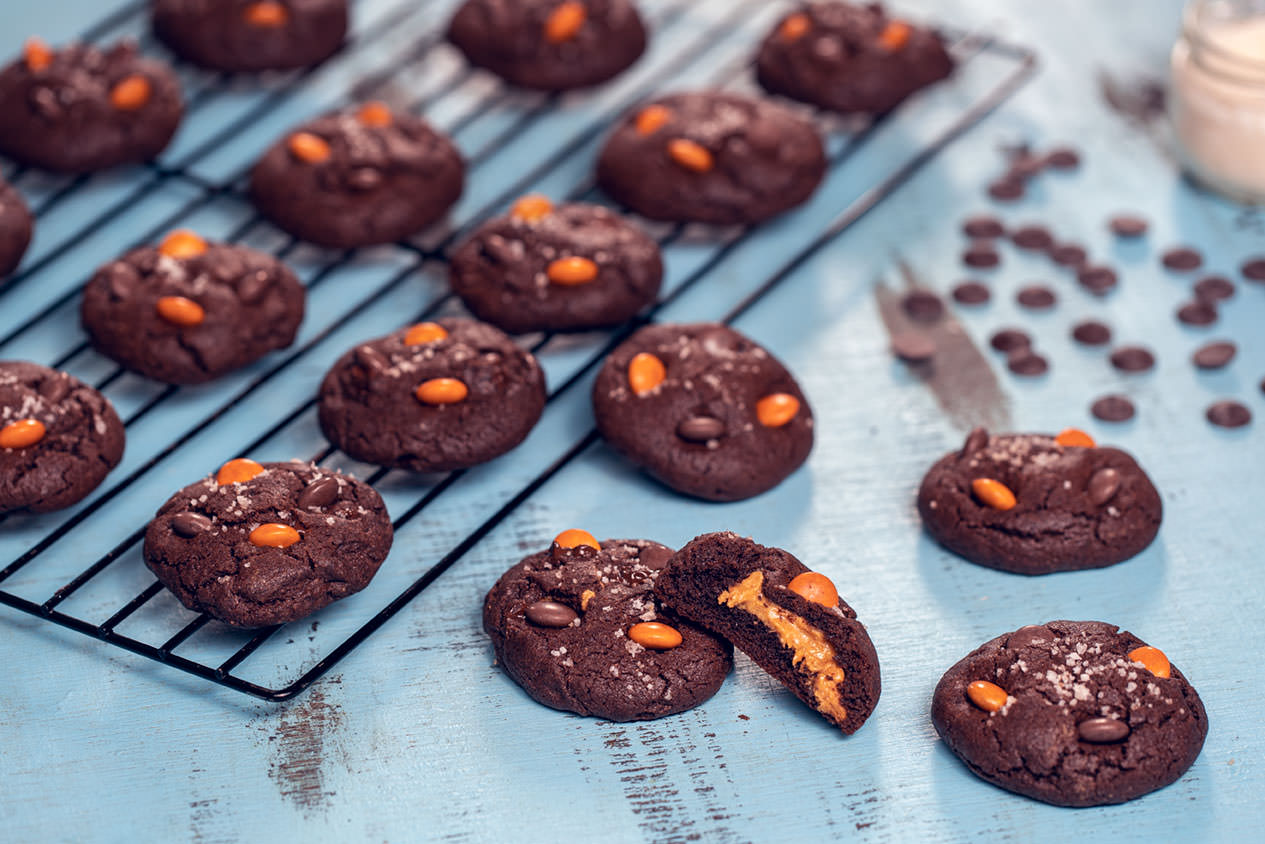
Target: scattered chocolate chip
{"points": [[700, 429], [319, 493], [1215, 355], [372, 360], [1010, 339], [1091, 332], [1032, 237], [253, 286], [190, 525], [1102, 730], [981, 255], [1214, 288], [54, 389], [1182, 259], [913, 347], [983, 227], [1029, 634], [1254, 270], [971, 293], [923, 305], [1103, 486], [550, 614], [1069, 255], [1198, 313], [975, 441], [1132, 359], [1229, 414], [1027, 363], [1113, 408], [1098, 280], [1129, 225], [1063, 158], [1007, 189], [1037, 297], [1025, 166], [655, 557]]}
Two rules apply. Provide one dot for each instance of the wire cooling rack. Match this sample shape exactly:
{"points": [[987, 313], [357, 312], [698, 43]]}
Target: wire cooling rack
{"points": [[534, 142]]}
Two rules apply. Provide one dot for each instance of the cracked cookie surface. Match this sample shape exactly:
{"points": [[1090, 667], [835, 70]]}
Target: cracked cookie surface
{"points": [[249, 35], [578, 655], [1079, 719], [205, 544], [1075, 507], [63, 436]]}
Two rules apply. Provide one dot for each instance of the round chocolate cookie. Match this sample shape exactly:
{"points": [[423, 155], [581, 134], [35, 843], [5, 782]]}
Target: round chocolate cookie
{"points": [[59, 438], [15, 229], [262, 544], [435, 397], [703, 409], [79, 109], [550, 45], [188, 311], [850, 58], [359, 177], [579, 629], [712, 157], [1033, 504], [1074, 713], [568, 268], [250, 35]]}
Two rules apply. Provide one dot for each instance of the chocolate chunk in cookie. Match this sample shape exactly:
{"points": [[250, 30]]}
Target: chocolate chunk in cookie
{"points": [[358, 177], [703, 409], [1074, 713], [435, 397], [59, 438], [79, 108], [788, 619], [188, 311], [251, 35], [568, 268], [15, 229], [1034, 504], [579, 629], [550, 45], [712, 157], [261, 544], [850, 58]]}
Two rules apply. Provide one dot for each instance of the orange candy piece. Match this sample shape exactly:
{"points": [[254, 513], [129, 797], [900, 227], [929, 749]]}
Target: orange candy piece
{"points": [[777, 409], [895, 35], [652, 118], [654, 635], [182, 243], [994, 493], [815, 587], [266, 14], [377, 114], [425, 332], [308, 147], [442, 391], [691, 155], [565, 22], [132, 93], [532, 209], [37, 54], [1075, 438], [989, 697], [795, 27], [576, 537], [22, 433], [274, 535], [178, 310], [1153, 659], [237, 471], [646, 372], [572, 271]]}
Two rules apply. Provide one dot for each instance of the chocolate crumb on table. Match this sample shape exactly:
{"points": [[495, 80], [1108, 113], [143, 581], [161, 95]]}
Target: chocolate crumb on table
{"points": [[1214, 289], [1216, 355], [984, 227], [1254, 269], [1027, 363], [1091, 332], [1128, 226], [1198, 314], [1037, 297], [1133, 359], [981, 255], [1229, 414], [1182, 259], [1008, 340], [972, 293], [1113, 408]]}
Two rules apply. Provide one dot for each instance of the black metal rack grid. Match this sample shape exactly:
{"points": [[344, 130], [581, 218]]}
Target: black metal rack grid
{"points": [[966, 47]]}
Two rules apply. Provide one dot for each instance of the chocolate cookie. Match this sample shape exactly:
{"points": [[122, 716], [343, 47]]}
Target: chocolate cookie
{"points": [[262, 544], [1074, 713], [704, 410], [15, 229], [359, 177], [568, 268], [578, 628], [712, 157], [850, 58], [1034, 504], [250, 35], [547, 44], [433, 398], [188, 311], [788, 619], [80, 109], [59, 438]]}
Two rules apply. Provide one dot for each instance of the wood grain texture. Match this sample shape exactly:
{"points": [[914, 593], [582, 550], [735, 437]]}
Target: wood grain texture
{"points": [[418, 736]]}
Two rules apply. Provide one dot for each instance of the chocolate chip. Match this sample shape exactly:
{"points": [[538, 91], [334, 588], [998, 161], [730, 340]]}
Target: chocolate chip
{"points": [[1132, 359], [1198, 313], [1113, 408], [54, 389], [923, 306], [551, 614], [190, 525], [977, 440], [1214, 288], [1128, 225], [913, 347], [319, 493], [655, 557], [1025, 166], [253, 286], [1010, 339], [1091, 332], [1037, 297], [1063, 158], [1032, 237], [1229, 414], [983, 227], [1069, 255], [1007, 189], [971, 293], [1102, 730], [1029, 634], [1098, 280], [372, 360], [1254, 270], [122, 280], [1215, 355], [1103, 486], [981, 256], [700, 429], [364, 179], [1182, 259], [1027, 363]]}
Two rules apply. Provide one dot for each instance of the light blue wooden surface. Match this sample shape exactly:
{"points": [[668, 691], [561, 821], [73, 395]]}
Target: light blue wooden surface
{"points": [[417, 734]]}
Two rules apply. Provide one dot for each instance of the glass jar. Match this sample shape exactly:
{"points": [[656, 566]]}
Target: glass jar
{"points": [[1217, 100]]}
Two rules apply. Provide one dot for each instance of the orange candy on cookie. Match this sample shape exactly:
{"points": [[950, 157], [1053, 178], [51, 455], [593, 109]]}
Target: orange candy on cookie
{"points": [[181, 311], [424, 333], [994, 493], [652, 118], [655, 635], [22, 434], [532, 208], [37, 55], [375, 114], [565, 22], [989, 697], [575, 537], [1075, 438], [691, 155], [815, 587], [274, 536], [266, 14], [794, 27], [572, 271], [895, 36], [182, 243], [1153, 659], [310, 148], [131, 94], [646, 372], [237, 471], [440, 391], [776, 409]]}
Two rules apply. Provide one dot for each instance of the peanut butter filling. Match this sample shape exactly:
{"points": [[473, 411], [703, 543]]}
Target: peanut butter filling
{"points": [[808, 644]]}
